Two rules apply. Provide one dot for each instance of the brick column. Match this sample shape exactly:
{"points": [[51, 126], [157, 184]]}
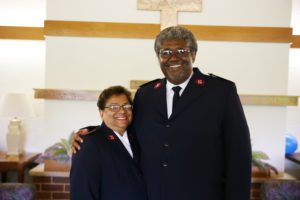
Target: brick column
{"points": [[52, 187]]}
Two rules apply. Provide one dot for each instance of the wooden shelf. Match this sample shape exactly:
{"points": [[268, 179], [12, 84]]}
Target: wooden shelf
{"points": [[60, 94], [40, 171], [22, 33], [149, 31], [92, 95]]}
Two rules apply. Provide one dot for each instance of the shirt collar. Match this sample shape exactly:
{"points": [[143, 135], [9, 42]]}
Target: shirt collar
{"points": [[123, 137], [183, 85]]}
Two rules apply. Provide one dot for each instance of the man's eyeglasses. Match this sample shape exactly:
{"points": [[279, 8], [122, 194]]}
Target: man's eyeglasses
{"points": [[168, 53], [116, 107]]}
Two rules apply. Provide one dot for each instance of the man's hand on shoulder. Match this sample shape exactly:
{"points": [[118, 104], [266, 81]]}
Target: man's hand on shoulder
{"points": [[77, 139]]}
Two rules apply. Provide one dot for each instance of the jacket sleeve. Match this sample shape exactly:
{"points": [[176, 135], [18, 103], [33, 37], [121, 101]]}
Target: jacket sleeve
{"points": [[237, 149], [85, 172]]}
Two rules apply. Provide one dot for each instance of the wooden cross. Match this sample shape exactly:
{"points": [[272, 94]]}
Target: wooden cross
{"points": [[169, 9]]}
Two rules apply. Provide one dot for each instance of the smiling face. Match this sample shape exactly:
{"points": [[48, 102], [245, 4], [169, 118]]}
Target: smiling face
{"points": [[117, 120], [176, 68]]}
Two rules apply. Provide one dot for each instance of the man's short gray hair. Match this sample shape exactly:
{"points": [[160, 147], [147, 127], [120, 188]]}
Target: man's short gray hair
{"points": [[176, 32]]}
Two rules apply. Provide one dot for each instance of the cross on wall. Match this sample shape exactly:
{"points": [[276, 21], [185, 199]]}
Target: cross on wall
{"points": [[169, 9]]}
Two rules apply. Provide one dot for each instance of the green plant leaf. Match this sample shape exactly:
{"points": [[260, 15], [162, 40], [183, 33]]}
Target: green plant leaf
{"points": [[259, 155], [60, 151], [65, 144]]}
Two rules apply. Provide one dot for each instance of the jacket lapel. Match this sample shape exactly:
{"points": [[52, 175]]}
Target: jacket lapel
{"points": [[160, 99], [115, 143], [134, 147], [193, 90]]}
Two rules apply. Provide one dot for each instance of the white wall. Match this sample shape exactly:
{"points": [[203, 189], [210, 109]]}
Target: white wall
{"points": [[214, 12], [22, 65], [22, 13], [95, 63], [293, 114]]}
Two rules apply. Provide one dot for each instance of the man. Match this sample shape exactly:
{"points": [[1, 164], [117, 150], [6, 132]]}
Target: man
{"points": [[194, 140]]}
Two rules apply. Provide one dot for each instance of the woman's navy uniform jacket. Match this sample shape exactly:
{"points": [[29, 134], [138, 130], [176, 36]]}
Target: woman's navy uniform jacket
{"points": [[104, 170]]}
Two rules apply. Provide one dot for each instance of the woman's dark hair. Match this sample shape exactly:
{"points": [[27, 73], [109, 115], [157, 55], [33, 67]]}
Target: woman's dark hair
{"points": [[111, 91]]}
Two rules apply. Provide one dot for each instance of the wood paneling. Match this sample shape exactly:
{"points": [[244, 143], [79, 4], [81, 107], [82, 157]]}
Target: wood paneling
{"points": [[242, 34], [274, 100], [86, 95], [296, 41], [149, 31], [21, 33], [101, 29], [92, 95], [269, 100]]}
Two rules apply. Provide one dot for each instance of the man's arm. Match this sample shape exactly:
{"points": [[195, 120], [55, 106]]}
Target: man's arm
{"points": [[77, 139], [237, 149]]}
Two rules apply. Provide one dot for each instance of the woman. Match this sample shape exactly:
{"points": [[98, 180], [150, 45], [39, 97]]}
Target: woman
{"points": [[106, 168]]}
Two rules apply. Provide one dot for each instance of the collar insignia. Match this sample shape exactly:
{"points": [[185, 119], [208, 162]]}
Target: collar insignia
{"points": [[157, 85], [200, 82], [111, 137]]}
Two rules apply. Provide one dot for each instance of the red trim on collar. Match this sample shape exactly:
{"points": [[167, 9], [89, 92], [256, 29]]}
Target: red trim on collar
{"points": [[200, 82], [111, 137], [157, 85]]}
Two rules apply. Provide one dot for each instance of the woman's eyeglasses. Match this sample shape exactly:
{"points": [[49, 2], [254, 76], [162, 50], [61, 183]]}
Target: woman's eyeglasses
{"points": [[116, 107]]}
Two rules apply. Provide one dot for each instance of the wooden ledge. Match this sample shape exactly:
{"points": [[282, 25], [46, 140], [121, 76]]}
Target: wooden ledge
{"points": [[92, 95], [60, 94], [273, 100], [40, 171], [296, 41], [22, 33], [281, 176], [269, 100], [149, 31]]}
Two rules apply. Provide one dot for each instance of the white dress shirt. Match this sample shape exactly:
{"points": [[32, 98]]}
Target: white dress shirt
{"points": [[125, 142], [170, 93]]}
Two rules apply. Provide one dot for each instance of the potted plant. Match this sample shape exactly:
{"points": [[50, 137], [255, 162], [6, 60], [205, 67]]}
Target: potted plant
{"points": [[260, 168], [58, 156]]}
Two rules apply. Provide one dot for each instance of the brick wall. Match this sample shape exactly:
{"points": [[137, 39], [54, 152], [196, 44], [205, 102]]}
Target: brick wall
{"points": [[255, 191], [50, 187]]}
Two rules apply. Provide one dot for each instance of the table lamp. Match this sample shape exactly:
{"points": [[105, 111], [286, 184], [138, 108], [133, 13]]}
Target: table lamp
{"points": [[15, 106]]}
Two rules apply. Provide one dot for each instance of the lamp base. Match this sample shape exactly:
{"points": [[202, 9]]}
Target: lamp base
{"points": [[15, 138], [13, 157]]}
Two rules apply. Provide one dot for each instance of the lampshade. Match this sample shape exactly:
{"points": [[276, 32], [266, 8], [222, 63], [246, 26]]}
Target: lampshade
{"points": [[16, 105]]}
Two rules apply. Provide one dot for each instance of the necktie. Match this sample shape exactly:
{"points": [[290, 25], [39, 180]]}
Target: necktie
{"points": [[176, 96]]}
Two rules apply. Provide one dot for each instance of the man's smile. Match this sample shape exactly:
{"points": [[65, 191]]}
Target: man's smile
{"points": [[174, 66]]}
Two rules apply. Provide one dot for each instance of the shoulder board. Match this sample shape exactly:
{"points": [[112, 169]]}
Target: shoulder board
{"points": [[215, 76], [150, 82]]}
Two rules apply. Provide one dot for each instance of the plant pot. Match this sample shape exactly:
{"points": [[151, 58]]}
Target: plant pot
{"points": [[256, 172], [53, 165]]}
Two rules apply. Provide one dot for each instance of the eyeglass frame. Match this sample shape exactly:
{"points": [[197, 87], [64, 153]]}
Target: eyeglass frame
{"points": [[176, 52], [130, 108]]}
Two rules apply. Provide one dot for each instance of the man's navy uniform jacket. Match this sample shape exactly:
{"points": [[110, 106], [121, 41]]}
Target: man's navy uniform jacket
{"points": [[203, 151], [104, 170]]}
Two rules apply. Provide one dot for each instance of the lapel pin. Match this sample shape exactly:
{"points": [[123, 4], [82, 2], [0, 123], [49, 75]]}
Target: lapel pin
{"points": [[157, 85], [200, 82], [111, 137]]}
